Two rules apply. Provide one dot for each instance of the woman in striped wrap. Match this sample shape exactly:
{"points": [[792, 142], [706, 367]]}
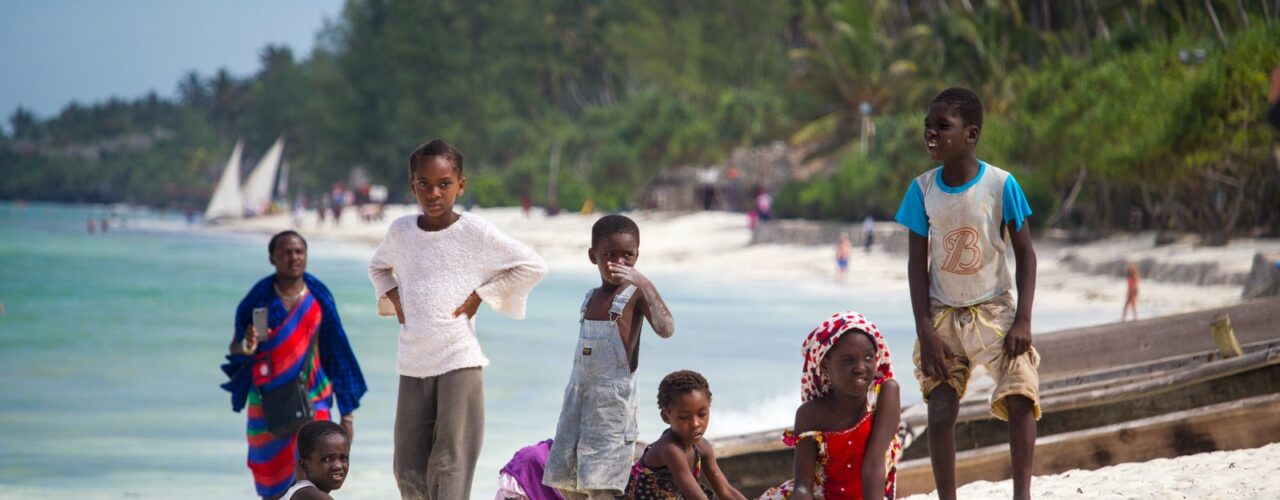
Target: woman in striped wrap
{"points": [[306, 339]]}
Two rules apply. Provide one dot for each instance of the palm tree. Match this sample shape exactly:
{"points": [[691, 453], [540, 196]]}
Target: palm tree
{"points": [[227, 95], [849, 60]]}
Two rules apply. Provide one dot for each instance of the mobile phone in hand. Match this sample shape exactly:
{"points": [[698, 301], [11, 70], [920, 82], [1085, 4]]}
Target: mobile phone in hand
{"points": [[260, 323]]}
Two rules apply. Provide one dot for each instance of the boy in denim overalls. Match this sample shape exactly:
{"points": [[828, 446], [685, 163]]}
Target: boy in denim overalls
{"points": [[595, 438]]}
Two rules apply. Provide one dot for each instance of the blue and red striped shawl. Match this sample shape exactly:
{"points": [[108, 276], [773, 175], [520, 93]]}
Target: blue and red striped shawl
{"points": [[336, 356]]}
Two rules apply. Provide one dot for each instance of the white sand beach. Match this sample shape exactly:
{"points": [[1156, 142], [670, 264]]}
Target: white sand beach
{"points": [[717, 244], [1237, 475]]}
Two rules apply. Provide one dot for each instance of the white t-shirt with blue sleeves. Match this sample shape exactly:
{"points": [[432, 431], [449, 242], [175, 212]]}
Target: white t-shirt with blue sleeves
{"points": [[967, 249]]}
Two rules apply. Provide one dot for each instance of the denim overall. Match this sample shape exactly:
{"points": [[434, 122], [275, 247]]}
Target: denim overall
{"points": [[595, 439]]}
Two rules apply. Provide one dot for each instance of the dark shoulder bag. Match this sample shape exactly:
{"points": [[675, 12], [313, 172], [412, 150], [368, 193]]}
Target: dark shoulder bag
{"points": [[287, 407]]}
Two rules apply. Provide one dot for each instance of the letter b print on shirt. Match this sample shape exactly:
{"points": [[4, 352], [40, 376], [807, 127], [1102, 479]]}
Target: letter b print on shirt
{"points": [[964, 256]]}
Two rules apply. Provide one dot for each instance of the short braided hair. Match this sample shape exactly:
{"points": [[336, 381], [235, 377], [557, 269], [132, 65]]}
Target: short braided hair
{"points": [[271, 245], [679, 383], [613, 224], [311, 433], [964, 103], [436, 148]]}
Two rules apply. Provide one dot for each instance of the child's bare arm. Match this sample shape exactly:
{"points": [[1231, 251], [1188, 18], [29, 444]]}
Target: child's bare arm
{"points": [[673, 458], [652, 307], [1018, 340], [719, 484], [935, 357], [806, 457], [883, 429], [393, 295]]}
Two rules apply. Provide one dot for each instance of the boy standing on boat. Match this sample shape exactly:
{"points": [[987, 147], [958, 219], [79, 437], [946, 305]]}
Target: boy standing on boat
{"points": [[958, 215]]}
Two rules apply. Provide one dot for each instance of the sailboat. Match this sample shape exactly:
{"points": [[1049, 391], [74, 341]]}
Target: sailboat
{"points": [[261, 184], [226, 201]]}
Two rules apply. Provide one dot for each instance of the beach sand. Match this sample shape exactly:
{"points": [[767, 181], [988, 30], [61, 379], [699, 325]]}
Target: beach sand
{"points": [[717, 245], [1237, 475]]}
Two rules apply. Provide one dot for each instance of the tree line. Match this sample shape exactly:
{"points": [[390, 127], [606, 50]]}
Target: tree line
{"points": [[1112, 113]]}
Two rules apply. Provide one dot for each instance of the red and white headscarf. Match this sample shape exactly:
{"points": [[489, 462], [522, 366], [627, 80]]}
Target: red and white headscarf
{"points": [[813, 383]]}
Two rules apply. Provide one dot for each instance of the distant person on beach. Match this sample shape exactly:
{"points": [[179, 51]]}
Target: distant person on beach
{"points": [[680, 462], [958, 215], [91, 225], [1131, 298], [337, 198], [846, 431], [764, 204], [305, 341], [324, 451], [592, 453], [843, 250], [431, 272], [322, 206], [868, 233]]}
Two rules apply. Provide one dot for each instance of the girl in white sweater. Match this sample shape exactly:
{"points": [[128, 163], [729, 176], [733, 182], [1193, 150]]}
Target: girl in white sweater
{"points": [[433, 270]]}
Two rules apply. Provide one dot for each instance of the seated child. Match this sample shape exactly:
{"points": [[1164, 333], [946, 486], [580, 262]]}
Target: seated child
{"points": [[323, 447], [521, 478], [672, 466], [845, 447]]}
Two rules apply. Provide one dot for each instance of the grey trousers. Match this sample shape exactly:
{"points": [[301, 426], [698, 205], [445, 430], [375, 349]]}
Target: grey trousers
{"points": [[438, 431]]}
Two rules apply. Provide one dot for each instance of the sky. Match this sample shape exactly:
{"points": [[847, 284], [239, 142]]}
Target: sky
{"points": [[53, 52]]}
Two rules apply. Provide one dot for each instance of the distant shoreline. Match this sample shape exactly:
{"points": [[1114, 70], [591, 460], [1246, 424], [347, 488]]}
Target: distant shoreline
{"points": [[718, 243]]}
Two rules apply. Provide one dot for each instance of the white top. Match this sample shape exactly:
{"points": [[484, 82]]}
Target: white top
{"points": [[436, 271], [302, 483], [967, 250], [509, 488]]}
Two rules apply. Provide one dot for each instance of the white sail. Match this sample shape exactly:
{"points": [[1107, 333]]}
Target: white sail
{"points": [[262, 181], [225, 201], [282, 187]]}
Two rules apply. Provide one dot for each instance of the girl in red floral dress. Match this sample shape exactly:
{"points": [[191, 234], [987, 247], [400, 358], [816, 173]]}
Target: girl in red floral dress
{"points": [[846, 430]]}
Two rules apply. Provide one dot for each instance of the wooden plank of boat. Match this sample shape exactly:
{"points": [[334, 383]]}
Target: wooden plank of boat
{"points": [[1247, 423], [1089, 349], [1221, 381], [1130, 381]]}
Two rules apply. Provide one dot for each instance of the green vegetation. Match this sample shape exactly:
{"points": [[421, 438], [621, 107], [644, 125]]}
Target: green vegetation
{"points": [[1103, 109]]}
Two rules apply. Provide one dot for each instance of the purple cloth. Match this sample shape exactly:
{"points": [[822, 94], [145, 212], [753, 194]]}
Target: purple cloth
{"points": [[527, 466]]}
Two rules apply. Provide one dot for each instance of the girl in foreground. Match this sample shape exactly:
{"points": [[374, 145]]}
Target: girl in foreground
{"points": [[672, 466], [846, 430]]}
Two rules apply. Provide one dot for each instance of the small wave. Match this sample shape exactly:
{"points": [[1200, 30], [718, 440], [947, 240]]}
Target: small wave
{"points": [[775, 412]]}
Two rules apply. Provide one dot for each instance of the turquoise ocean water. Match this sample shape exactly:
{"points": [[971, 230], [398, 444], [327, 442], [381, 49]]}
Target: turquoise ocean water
{"points": [[110, 345]]}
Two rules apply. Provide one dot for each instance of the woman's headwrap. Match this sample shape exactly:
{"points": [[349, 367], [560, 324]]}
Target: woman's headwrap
{"points": [[813, 383]]}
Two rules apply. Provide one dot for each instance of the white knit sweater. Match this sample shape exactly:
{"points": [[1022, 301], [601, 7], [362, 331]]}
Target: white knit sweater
{"points": [[436, 271]]}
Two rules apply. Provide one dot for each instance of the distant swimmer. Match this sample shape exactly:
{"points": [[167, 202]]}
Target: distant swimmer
{"points": [[1131, 298]]}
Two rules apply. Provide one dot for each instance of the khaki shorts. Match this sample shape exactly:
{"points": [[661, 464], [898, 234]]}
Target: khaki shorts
{"points": [[975, 334]]}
